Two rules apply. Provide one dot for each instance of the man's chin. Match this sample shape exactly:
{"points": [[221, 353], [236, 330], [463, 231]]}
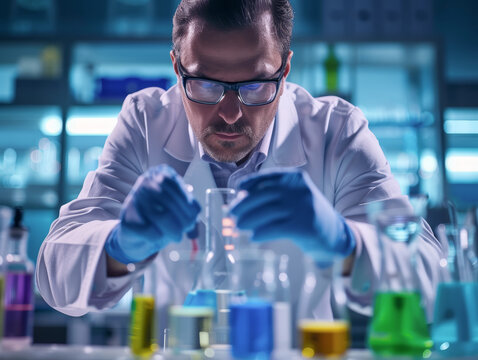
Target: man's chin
{"points": [[227, 154]]}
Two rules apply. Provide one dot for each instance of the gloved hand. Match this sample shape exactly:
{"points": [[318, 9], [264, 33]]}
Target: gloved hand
{"points": [[288, 205], [157, 211]]}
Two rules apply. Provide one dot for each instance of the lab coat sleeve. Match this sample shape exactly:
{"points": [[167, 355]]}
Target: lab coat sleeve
{"points": [[361, 174], [71, 266]]}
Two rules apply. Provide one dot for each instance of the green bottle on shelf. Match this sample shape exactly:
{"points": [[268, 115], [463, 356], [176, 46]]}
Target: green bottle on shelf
{"points": [[331, 65]]}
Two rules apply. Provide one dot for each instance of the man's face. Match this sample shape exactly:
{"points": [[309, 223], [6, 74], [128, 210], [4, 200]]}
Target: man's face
{"points": [[229, 130]]}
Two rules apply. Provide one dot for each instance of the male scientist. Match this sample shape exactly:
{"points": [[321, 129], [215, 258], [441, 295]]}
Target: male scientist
{"points": [[309, 167]]}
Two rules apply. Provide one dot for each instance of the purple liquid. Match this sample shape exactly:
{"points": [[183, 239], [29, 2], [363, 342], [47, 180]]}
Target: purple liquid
{"points": [[18, 305]]}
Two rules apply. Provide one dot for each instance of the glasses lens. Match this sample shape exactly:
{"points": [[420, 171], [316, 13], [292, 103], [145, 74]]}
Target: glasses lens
{"points": [[203, 90], [258, 93]]}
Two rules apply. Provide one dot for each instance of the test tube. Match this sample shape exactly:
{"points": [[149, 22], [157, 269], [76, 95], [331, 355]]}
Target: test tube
{"points": [[142, 328]]}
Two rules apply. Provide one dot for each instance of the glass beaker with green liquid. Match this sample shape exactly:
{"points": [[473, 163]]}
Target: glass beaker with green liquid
{"points": [[399, 325]]}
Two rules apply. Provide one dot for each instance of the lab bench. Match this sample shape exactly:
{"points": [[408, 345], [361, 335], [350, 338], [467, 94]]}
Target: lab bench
{"points": [[68, 352]]}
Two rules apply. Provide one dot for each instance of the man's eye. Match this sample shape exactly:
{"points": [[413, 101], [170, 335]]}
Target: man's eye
{"points": [[206, 85], [252, 87]]}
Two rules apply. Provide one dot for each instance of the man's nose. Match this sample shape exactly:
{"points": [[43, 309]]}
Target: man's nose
{"points": [[230, 107]]}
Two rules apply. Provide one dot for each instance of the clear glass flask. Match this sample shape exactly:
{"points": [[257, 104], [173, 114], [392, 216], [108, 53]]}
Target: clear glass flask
{"points": [[221, 236], [455, 321], [399, 325], [18, 302]]}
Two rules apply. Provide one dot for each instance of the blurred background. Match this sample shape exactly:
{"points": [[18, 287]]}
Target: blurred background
{"points": [[66, 66]]}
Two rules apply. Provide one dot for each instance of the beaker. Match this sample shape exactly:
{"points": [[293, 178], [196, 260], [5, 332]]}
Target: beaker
{"points": [[327, 334], [254, 286], [455, 322], [399, 325]]}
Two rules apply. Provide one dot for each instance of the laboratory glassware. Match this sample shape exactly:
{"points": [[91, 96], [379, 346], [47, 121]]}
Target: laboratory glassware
{"points": [[189, 329], [329, 335], [5, 216], [455, 321], [221, 236], [254, 288], [143, 339], [399, 325], [282, 307], [193, 311], [18, 302]]}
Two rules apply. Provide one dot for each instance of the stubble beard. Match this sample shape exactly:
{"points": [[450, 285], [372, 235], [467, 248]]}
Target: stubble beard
{"points": [[228, 151]]}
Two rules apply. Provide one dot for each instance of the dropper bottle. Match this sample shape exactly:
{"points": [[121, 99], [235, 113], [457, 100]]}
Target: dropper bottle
{"points": [[18, 304]]}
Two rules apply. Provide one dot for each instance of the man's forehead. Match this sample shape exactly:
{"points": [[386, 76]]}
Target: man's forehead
{"points": [[207, 50]]}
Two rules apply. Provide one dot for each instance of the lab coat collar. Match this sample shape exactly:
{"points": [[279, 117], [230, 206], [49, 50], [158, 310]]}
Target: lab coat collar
{"points": [[286, 148], [181, 143]]}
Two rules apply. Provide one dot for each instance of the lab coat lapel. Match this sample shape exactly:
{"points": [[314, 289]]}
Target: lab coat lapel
{"points": [[199, 175], [286, 148]]}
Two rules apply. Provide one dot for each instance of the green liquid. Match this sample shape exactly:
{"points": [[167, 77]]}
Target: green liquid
{"points": [[399, 326]]}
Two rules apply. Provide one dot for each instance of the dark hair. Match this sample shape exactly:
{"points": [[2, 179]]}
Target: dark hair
{"points": [[234, 14]]}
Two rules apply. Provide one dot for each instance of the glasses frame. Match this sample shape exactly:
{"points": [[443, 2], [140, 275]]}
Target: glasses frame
{"points": [[234, 86]]}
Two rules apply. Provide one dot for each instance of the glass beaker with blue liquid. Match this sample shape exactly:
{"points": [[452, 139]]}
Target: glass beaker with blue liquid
{"points": [[455, 324]]}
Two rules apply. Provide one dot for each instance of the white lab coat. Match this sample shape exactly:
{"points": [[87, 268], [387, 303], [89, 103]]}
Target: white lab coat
{"points": [[327, 137]]}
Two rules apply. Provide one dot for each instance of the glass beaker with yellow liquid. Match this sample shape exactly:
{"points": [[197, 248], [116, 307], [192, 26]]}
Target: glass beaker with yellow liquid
{"points": [[328, 336]]}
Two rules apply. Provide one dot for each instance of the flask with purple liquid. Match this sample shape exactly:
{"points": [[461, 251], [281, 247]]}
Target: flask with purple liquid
{"points": [[18, 302]]}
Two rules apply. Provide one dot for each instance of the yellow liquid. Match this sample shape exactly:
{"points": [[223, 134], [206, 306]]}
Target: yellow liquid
{"points": [[142, 337], [324, 338]]}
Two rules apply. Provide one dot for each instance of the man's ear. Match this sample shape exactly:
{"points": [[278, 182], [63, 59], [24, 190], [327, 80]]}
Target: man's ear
{"points": [[174, 61], [287, 66]]}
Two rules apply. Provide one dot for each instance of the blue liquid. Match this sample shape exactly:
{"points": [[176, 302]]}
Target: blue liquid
{"points": [[251, 333], [455, 324], [201, 298]]}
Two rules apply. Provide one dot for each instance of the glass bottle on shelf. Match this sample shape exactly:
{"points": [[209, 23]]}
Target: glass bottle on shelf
{"points": [[455, 321], [399, 325], [331, 66], [18, 303]]}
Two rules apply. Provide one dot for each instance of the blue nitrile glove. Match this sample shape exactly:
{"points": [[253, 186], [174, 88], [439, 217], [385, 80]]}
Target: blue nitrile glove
{"points": [[157, 211], [286, 204]]}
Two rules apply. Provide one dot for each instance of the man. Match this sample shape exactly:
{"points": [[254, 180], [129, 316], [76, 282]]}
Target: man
{"points": [[311, 167]]}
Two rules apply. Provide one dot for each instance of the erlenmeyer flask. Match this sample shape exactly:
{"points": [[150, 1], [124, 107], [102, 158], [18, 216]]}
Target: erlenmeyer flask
{"points": [[455, 323], [399, 325]]}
